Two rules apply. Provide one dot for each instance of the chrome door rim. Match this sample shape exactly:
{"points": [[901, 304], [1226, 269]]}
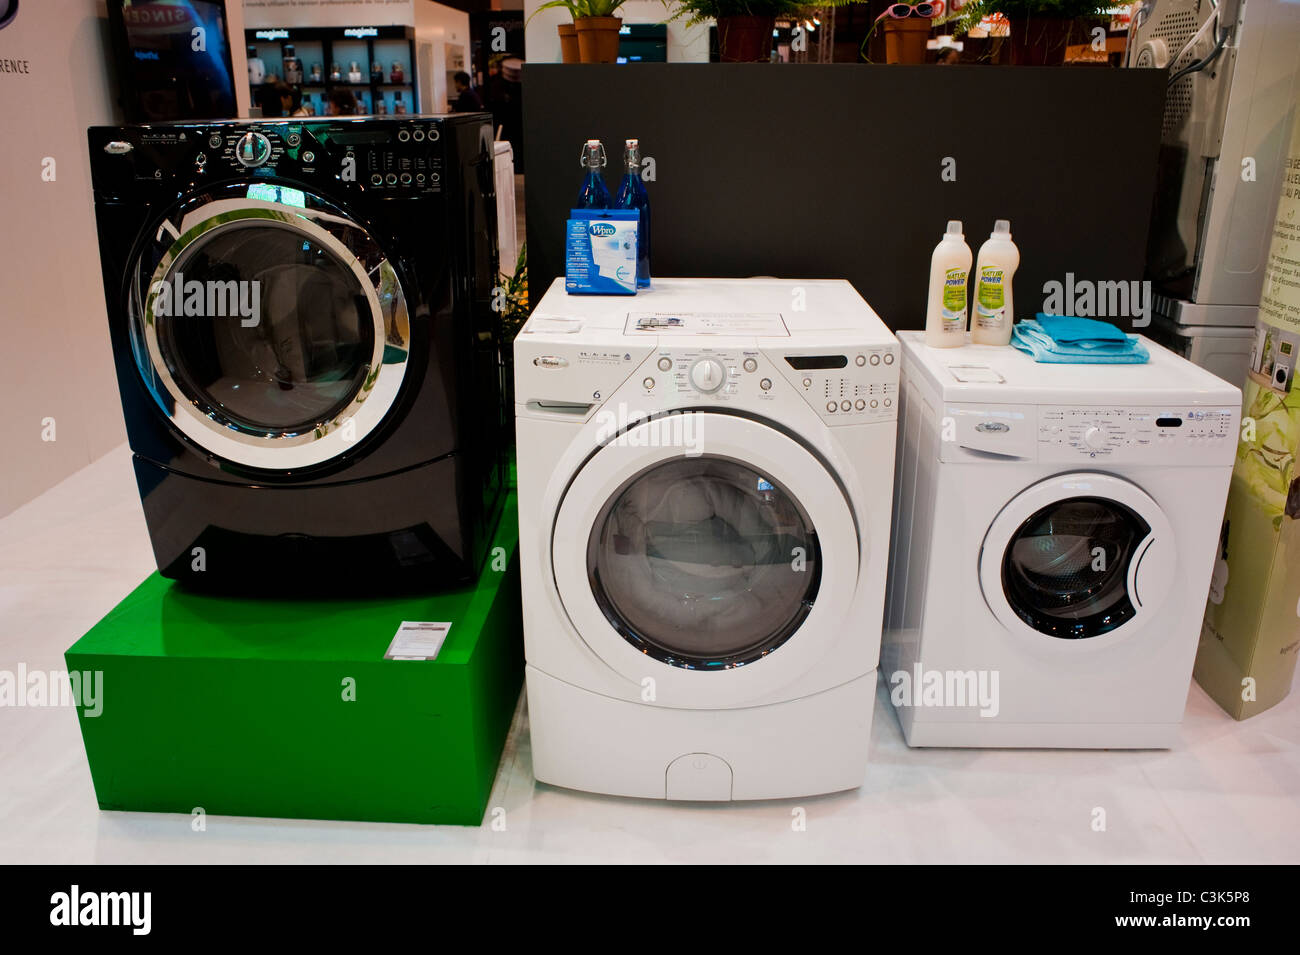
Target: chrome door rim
{"points": [[328, 438]]}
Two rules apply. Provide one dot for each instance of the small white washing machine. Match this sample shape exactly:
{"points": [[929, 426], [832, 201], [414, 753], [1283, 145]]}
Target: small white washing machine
{"points": [[704, 477], [1055, 529]]}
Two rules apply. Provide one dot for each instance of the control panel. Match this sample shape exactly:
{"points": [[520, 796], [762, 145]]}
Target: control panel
{"points": [[849, 387], [859, 384], [394, 158], [1161, 435]]}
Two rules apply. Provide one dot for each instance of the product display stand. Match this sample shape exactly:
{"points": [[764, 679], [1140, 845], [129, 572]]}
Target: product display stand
{"points": [[289, 708]]}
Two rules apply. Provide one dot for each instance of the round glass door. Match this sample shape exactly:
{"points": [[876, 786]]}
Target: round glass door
{"points": [[297, 348], [704, 563], [272, 335], [1078, 560], [699, 570], [1065, 571]]}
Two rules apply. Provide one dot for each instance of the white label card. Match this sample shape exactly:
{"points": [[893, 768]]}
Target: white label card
{"points": [[976, 373], [761, 324], [417, 640]]}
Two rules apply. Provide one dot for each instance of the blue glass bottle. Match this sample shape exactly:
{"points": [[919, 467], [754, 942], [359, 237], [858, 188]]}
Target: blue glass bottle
{"points": [[632, 195], [594, 193]]}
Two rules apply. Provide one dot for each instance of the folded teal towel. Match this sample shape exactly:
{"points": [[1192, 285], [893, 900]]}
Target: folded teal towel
{"points": [[1066, 329], [1032, 339]]}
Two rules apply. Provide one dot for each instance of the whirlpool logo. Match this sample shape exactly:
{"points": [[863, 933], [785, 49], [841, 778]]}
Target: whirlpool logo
{"points": [[8, 10], [602, 228]]}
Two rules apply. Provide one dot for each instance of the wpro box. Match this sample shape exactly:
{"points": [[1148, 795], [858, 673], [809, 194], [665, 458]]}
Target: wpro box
{"points": [[288, 708], [600, 252]]}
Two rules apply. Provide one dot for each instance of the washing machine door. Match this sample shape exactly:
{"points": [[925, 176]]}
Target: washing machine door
{"points": [[709, 558], [1081, 559], [269, 326]]}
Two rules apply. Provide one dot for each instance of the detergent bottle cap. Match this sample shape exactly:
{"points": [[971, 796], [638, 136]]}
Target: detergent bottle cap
{"points": [[954, 230], [1001, 229]]}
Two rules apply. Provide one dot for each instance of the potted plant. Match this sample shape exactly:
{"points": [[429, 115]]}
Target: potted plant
{"points": [[744, 26], [1040, 29], [513, 309], [906, 27], [592, 37]]}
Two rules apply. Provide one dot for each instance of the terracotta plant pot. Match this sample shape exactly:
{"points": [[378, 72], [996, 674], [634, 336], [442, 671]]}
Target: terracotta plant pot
{"points": [[569, 43], [1041, 41], [905, 40], [598, 39], [745, 39]]}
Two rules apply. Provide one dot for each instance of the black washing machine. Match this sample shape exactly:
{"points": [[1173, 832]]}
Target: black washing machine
{"points": [[308, 358]]}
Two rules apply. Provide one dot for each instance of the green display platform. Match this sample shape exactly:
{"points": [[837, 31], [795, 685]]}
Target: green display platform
{"points": [[287, 708]]}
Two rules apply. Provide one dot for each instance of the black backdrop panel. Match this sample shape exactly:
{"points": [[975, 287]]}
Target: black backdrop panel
{"points": [[834, 171]]}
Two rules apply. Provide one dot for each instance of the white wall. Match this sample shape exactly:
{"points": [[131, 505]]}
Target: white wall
{"points": [[238, 55], [685, 45], [55, 360], [436, 26]]}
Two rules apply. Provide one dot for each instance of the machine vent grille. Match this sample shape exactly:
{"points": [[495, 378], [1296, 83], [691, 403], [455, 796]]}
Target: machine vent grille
{"points": [[1176, 28]]}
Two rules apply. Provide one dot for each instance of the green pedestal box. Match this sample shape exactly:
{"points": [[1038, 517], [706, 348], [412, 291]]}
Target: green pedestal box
{"points": [[288, 708]]}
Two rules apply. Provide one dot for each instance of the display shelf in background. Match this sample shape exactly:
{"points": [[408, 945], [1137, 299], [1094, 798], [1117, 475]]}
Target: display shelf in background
{"points": [[326, 46]]}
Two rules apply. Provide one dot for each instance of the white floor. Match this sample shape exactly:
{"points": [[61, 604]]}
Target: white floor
{"points": [[1230, 792]]}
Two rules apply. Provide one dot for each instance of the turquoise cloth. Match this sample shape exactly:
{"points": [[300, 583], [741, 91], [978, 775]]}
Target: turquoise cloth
{"points": [[1066, 329], [1063, 339]]}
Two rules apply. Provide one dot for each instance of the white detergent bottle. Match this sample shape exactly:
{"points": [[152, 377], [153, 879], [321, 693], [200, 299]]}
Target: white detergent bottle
{"points": [[992, 315], [945, 313]]}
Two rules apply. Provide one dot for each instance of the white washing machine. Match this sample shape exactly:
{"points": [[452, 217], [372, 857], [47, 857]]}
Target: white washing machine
{"points": [[705, 472], [1055, 529]]}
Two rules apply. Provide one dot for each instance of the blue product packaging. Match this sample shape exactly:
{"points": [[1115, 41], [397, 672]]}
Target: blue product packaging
{"points": [[600, 252]]}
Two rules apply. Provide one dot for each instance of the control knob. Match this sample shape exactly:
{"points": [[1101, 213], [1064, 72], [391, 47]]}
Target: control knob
{"points": [[253, 149], [1095, 438], [708, 375]]}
